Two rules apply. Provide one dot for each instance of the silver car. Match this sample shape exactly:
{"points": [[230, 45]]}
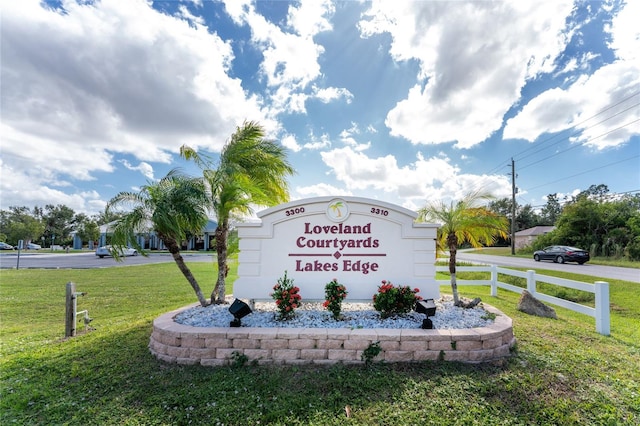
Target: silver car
{"points": [[108, 251]]}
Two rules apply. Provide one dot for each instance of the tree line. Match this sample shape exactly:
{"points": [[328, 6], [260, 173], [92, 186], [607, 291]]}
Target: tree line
{"points": [[606, 224], [51, 224]]}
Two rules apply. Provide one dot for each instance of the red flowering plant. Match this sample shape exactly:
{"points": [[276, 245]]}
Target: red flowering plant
{"points": [[286, 296], [394, 300], [334, 293]]}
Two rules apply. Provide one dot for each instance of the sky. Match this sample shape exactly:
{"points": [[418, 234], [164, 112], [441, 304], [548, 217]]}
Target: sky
{"points": [[407, 102]]}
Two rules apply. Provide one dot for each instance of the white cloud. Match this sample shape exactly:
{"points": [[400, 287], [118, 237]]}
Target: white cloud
{"points": [[289, 142], [474, 58], [625, 32], [41, 191], [316, 144], [332, 93], [310, 17], [184, 12], [319, 190], [111, 77], [289, 58], [347, 138], [613, 87], [145, 168], [425, 179]]}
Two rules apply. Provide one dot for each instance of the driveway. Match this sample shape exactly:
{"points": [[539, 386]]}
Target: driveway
{"points": [[604, 272], [88, 260]]}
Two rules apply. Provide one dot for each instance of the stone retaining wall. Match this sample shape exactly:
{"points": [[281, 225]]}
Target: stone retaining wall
{"points": [[215, 346]]}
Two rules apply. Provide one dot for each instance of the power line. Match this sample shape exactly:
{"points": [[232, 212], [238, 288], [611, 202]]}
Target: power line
{"points": [[538, 145], [544, 141], [560, 138], [585, 172], [581, 144], [577, 132]]}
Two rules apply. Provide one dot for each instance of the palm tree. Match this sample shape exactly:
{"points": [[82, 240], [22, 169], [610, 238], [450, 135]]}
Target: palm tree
{"points": [[464, 221], [336, 208], [251, 171], [173, 206]]}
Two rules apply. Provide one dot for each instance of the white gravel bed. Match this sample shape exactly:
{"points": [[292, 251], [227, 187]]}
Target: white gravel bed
{"points": [[354, 315]]}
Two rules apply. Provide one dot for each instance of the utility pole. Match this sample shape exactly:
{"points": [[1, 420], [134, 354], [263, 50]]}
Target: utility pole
{"points": [[513, 206]]}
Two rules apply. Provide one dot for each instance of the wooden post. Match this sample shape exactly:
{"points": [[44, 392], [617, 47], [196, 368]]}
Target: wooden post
{"points": [[70, 317]]}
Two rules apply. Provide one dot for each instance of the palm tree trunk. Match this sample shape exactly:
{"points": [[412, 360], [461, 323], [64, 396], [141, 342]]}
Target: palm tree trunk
{"points": [[452, 241], [174, 249], [218, 294]]}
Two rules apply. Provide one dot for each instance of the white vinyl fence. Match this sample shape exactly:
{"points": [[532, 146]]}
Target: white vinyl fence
{"points": [[599, 288]]}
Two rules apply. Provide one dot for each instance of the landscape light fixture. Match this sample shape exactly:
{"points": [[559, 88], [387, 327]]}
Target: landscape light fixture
{"points": [[427, 307], [239, 310]]}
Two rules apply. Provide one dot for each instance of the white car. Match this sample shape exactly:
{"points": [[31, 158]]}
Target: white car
{"points": [[106, 251], [33, 246]]}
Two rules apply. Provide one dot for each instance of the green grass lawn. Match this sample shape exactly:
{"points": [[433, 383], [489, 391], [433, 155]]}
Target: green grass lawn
{"points": [[562, 372]]}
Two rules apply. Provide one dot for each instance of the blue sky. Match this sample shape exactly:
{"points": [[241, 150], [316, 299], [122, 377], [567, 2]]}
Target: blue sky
{"points": [[406, 101]]}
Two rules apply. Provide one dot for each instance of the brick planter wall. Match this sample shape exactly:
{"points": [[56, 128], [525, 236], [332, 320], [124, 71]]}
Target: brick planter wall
{"points": [[214, 346]]}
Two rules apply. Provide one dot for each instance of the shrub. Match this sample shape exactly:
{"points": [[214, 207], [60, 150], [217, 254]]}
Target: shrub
{"points": [[372, 351], [286, 296], [394, 300], [633, 249], [334, 294]]}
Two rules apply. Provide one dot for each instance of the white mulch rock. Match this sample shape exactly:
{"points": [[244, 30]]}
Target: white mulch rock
{"points": [[354, 315]]}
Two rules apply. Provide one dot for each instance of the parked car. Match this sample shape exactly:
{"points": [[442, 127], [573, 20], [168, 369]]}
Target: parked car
{"points": [[5, 246], [107, 251], [562, 254], [33, 246]]}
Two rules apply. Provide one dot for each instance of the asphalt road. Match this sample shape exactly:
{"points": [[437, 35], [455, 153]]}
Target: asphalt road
{"points": [[44, 260], [604, 272]]}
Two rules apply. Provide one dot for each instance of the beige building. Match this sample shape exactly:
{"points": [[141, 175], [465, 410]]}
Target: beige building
{"points": [[527, 236]]}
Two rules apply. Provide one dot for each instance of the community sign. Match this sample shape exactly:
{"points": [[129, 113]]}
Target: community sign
{"points": [[357, 241]]}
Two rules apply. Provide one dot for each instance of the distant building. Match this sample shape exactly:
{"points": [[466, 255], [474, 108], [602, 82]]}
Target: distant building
{"points": [[527, 236], [205, 240]]}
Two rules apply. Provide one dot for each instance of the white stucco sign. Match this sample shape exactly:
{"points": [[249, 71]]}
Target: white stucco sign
{"points": [[358, 241]]}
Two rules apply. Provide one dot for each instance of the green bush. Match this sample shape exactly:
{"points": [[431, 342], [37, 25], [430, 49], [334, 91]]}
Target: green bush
{"points": [[393, 300], [633, 249], [334, 294], [286, 296]]}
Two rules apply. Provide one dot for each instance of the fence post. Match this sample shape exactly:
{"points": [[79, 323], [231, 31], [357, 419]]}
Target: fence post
{"points": [[70, 312], [531, 282], [603, 323], [494, 280]]}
